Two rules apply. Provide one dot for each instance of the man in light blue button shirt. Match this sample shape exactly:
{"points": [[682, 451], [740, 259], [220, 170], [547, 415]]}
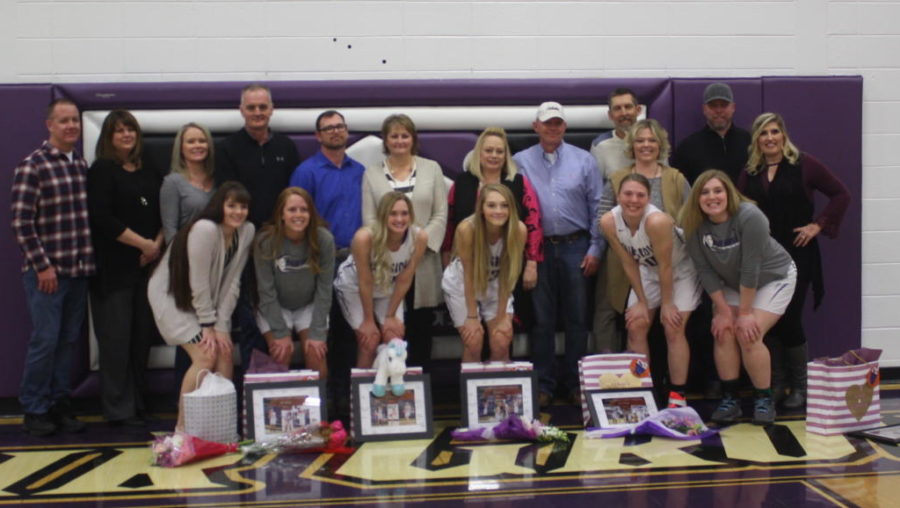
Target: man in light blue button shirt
{"points": [[569, 186]]}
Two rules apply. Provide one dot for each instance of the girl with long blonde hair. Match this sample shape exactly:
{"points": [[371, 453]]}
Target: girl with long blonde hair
{"points": [[478, 283], [372, 283]]}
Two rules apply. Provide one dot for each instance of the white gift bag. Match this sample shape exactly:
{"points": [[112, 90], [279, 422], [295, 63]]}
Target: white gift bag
{"points": [[210, 411]]}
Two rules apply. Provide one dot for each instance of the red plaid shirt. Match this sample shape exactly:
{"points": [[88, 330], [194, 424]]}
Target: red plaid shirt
{"points": [[50, 213]]}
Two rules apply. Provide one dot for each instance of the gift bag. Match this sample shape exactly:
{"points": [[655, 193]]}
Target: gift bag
{"points": [[843, 393], [210, 411], [610, 372]]}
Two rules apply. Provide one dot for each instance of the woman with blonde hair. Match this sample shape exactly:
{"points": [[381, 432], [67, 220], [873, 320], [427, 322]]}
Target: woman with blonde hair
{"points": [[294, 261], [372, 283], [478, 282], [750, 279], [647, 144], [783, 182], [189, 185]]}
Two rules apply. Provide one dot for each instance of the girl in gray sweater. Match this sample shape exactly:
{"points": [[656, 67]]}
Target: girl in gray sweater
{"points": [[750, 279], [294, 261]]}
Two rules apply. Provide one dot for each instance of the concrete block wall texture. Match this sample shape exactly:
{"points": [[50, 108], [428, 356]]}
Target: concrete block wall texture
{"points": [[164, 40]]}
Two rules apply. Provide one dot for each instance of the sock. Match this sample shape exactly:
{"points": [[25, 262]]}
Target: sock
{"points": [[676, 399], [767, 392], [730, 388]]}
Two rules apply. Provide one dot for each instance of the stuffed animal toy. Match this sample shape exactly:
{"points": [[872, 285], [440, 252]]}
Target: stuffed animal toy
{"points": [[390, 363]]}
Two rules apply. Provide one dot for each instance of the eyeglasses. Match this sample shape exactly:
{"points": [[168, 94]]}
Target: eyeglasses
{"points": [[332, 128]]}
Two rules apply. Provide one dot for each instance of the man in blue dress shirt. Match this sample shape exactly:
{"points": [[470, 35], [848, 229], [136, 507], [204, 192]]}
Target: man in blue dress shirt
{"points": [[569, 186], [334, 181]]}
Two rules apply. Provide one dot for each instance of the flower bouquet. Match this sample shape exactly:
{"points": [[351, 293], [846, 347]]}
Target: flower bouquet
{"points": [[677, 423], [177, 449], [515, 429], [321, 437]]}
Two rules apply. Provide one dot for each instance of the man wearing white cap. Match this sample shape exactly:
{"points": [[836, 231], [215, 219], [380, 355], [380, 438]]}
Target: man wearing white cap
{"points": [[568, 185]]}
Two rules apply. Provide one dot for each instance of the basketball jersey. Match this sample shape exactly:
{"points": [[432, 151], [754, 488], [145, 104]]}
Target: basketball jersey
{"points": [[638, 245], [348, 278]]}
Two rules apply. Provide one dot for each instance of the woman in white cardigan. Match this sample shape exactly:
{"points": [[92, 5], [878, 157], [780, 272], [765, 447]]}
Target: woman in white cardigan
{"points": [[423, 182], [194, 288]]}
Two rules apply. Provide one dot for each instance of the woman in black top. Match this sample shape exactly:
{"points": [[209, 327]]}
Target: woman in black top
{"points": [[123, 200]]}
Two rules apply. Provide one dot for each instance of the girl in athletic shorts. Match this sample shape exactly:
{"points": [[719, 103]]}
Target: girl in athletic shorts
{"points": [[488, 250], [750, 279], [662, 276], [373, 281]]}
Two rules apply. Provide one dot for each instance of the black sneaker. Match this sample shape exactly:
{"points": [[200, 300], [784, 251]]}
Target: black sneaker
{"points": [[64, 420], [729, 411], [39, 425], [764, 411]]}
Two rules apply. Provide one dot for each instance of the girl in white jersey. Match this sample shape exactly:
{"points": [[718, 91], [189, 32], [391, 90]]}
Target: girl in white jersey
{"points": [[373, 281], [661, 274], [488, 248]]}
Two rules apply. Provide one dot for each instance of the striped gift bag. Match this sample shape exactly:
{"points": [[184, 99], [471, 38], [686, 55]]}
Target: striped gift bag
{"points": [[610, 372], [842, 398]]}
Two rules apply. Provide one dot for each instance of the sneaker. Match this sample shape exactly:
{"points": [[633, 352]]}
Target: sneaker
{"points": [[729, 411], [763, 411], [39, 425], [64, 420], [676, 400]]}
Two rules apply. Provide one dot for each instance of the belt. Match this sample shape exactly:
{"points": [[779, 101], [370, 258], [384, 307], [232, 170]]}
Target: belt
{"points": [[571, 237]]}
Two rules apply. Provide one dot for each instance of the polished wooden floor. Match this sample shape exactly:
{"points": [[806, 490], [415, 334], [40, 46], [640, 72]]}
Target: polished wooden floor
{"points": [[744, 466]]}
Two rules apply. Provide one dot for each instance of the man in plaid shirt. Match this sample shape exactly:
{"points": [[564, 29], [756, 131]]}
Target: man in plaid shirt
{"points": [[50, 221]]}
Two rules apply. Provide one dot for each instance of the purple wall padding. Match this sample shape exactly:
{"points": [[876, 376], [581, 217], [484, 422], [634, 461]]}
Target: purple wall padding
{"points": [[809, 105], [824, 118], [22, 130]]}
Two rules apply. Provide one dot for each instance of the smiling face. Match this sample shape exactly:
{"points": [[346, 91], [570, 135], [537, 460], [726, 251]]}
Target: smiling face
{"points": [[633, 198], [771, 141], [550, 132], [495, 209], [64, 126], [719, 114], [493, 154], [295, 216], [646, 146], [398, 218], [256, 108], [714, 200], [124, 139], [235, 214], [194, 146], [623, 111], [399, 141]]}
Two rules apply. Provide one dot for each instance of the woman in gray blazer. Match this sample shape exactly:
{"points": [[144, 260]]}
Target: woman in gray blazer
{"points": [[423, 182]]}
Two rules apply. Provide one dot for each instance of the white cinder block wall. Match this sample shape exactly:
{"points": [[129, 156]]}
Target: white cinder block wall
{"points": [[162, 40]]}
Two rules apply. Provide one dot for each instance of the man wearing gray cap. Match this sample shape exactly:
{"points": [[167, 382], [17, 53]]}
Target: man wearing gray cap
{"points": [[719, 144], [568, 185]]}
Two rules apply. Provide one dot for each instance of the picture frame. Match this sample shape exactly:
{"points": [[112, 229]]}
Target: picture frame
{"points": [[277, 408], [487, 398], [889, 434], [391, 417], [613, 409]]}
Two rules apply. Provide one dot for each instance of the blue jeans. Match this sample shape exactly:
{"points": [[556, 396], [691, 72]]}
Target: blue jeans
{"points": [[56, 321], [561, 288]]}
